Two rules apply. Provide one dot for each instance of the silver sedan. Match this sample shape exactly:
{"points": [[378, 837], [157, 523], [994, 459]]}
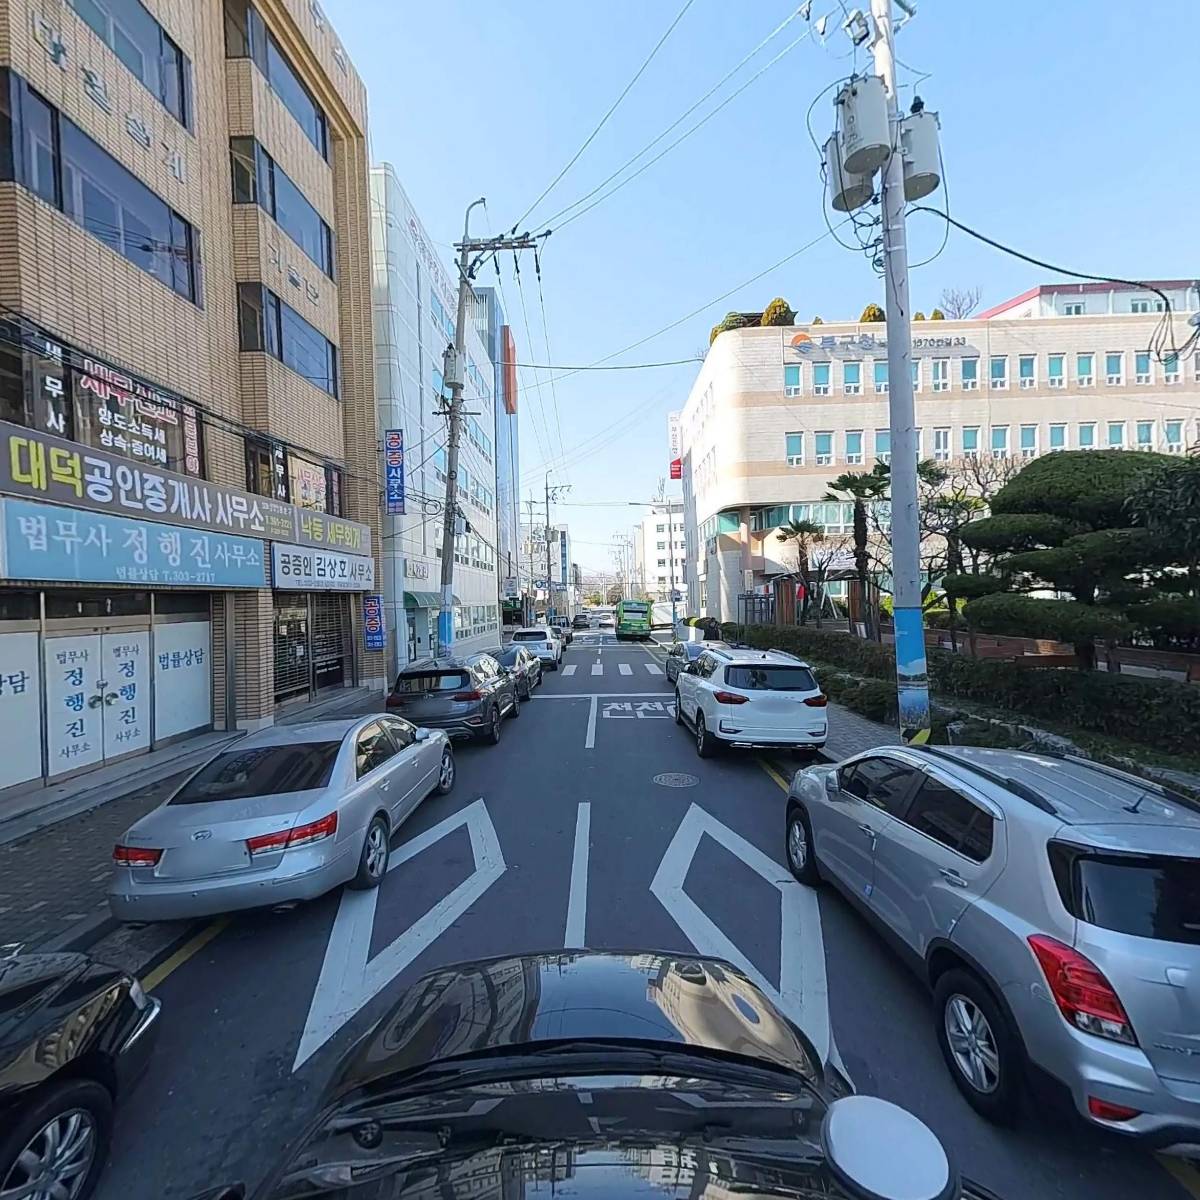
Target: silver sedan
{"points": [[283, 815]]}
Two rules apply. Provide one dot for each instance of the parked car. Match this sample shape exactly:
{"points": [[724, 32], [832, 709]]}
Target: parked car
{"points": [[608, 621], [283, 815], [1052, 905], [543, 641], [691, 1080], [580, 621], [74, 1037], [525, 668], [681, 654], [562, 626], [467, 697], [743, 697]]}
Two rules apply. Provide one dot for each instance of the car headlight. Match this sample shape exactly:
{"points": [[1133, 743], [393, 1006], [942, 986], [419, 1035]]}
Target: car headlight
{"points": [[138, 996]]}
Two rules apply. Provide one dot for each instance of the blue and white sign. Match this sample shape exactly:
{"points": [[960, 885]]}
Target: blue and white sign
{"points": [[562, 554], [393, 470], [374, 625], [45, 541]]}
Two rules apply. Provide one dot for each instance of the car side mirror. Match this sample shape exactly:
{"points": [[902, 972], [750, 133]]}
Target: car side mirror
{"points": [[422, 735], [832, 787]]}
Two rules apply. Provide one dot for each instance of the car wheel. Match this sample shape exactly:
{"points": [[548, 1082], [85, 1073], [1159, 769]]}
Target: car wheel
{"points": [[493, 731], [515, 711], [373, 862], [678, 708], [705, 744], [980, 1047], [554, 664], [58, 1144], [445, 781], [800, 849]]}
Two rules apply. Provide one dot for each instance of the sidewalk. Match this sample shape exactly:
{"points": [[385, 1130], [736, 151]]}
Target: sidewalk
{"points": [[56, 844]]}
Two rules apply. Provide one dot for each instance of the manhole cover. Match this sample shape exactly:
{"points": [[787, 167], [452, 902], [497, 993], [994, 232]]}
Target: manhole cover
{"points": [[676, 779]]}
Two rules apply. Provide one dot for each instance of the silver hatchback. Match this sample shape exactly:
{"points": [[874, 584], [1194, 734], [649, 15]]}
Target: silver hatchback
{"points": [[1053, 906]]}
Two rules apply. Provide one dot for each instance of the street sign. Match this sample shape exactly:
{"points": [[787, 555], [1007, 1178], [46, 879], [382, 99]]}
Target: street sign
{"points": [[674, 439], [512, 588], [393, 466], [374, 627], [540, 584]]}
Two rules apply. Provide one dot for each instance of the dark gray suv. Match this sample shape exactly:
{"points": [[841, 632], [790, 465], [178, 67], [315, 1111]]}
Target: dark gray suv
{"points": [[467, 697]]}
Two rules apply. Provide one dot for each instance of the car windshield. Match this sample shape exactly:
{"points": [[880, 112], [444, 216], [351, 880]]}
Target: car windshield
{"points": [[529, 635], [432, 681], [261, 771], [766, 678], [510, 657]]}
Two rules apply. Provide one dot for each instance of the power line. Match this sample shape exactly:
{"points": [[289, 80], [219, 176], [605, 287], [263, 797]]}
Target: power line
{"points": [[675, 362], [537, 266], [604, 120]]}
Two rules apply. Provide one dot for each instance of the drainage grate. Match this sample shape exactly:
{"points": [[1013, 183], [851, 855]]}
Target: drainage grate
{"points": [[676, 779]]}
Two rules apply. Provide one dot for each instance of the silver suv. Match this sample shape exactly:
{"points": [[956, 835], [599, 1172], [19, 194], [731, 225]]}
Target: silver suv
{"points": [[1053, 906]]}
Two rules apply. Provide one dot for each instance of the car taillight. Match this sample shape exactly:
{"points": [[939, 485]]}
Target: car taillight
{"points": [[301, 835], [135, 856], [1083, 995], [1107, 1111], [467, 696], [729, 698], [817, 701]]}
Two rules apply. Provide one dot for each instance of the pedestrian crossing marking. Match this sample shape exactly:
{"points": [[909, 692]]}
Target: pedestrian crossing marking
{"points": [[569, 670], [597, 669], [654, 669], [625, 668], [622, 669]]}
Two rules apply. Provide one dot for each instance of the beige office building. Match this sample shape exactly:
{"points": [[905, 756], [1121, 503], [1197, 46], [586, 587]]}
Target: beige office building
{"points": [[776, 413], [189, 460]]}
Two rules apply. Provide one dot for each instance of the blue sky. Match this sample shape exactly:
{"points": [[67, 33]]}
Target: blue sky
{"points": [[1062, 133]]}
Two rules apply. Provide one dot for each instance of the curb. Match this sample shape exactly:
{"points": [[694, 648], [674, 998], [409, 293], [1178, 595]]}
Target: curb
{"points": [[78, 938]]}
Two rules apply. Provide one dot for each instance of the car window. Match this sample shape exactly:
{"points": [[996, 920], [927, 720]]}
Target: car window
{"points": [[949, 817], [261, 771], [704, 666], [372, 749], [676, 650], [488, 666], [883, 782], [770, 679], [404, 733], [694, 649], [419, 682], [529, 635]]}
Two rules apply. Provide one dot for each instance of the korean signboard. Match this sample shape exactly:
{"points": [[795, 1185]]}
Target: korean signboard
{"points": [[821, 347], [307, 483], [675, 443], [43, 541], [393, 467], [20, 709], [43, 467], [301, 568], [374, 626], [562, 556]]}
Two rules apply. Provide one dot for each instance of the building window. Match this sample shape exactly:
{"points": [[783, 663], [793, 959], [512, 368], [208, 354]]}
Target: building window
{"points": [[142, 44], [246, 36], [970, 441], [970, 374], [1073, 308], [823, 448], [1114, 367], [854, 447], [1171, 368], [941, 445], [852, 378], [1085, 369], [258, 179], [881, 376], [1174, 436], [660, 545], [999, 372], [1087, 435], [266, 323], [1139, 306], [883, 445], [1029, 441], [1025, 370], [791, 380], [794, 444], [916, 374], [1141, 368], [1058, 437], [999, 441], [660, 529], [1145, 435], [1116, 435], [941, 374], [1054, 370], [820, 379]]}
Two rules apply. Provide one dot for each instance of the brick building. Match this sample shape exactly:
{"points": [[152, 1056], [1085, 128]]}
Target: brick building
{"points": [[189, 461]]}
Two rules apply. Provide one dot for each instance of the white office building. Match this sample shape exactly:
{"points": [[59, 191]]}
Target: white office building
{"points": [[776, 413], [660, 552], [415, 300]]}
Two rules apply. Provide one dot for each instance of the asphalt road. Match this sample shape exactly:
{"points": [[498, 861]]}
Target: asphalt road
{"points": [[595, 824]]}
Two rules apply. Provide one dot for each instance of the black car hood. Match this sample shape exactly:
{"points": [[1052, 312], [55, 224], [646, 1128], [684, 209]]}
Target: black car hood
{"points": [[530, 1000]]}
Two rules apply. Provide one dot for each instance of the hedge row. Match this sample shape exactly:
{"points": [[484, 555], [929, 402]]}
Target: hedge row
{"points": [[1156, 712]]}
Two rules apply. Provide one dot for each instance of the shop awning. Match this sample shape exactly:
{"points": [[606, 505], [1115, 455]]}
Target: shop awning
{"points": [[425, 600]]}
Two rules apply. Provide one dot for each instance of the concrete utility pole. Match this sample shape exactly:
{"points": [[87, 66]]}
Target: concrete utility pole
{"points": [[551, 494], [453, 378], [912, 680]]}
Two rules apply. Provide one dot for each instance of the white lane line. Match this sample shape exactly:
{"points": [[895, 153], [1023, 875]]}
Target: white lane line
{"points": [[625, 668], [597, 668], [568, 671], [589, 742], [653, 668], [577, 898]]}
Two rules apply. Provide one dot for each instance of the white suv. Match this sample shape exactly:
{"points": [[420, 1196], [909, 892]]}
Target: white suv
{"points": [[542, 640], [745, 697]]}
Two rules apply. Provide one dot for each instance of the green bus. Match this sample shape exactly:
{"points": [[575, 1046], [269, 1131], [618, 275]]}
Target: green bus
{"points": [[633, 620]]}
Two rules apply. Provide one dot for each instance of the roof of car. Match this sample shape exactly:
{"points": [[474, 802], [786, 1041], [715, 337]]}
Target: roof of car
{"points": [[301, 733], [737, 655], [531, 629]]}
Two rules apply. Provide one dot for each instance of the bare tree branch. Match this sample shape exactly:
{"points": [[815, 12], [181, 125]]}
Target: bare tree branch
{"points": [[957, 303]]}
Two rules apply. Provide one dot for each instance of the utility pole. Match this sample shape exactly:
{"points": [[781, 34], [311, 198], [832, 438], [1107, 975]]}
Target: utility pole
{"points": [[551, 494], [452, 375], [912, 680]]}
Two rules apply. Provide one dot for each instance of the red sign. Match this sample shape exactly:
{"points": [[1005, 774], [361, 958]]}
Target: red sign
{"points": [[677, 468]]}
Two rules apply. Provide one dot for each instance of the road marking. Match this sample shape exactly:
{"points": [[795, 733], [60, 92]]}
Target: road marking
{"points": [[597, 668], [803, 993], [189, 949], [577, 898], [349, 978], [1186, 1172], [774, 774], [589, 743], [625, 668], [653, 668], [568, 671]]}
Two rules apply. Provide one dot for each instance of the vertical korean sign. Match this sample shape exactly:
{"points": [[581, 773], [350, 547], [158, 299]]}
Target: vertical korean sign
{"points": [[374, 628], [393, 467], [676, 447]]}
